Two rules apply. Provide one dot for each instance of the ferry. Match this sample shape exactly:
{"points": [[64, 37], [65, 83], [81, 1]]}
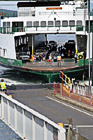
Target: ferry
{"points": [[34, 22]]}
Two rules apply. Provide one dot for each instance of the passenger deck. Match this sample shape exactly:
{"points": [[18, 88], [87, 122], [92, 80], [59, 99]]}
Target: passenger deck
{"points": [[51, 66]]}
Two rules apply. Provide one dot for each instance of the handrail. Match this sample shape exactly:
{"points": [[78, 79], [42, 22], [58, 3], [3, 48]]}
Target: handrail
{"points": [[20, 117], [58, 28], [66, 80]]}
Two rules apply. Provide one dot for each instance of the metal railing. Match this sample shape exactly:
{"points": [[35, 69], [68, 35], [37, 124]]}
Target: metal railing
{"points": [[27, 123], [10, 30], [76, 92], [65, 80], [81, 126]]}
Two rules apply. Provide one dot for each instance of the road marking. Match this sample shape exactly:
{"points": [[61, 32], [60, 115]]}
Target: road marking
{"points": [[70, 106]]}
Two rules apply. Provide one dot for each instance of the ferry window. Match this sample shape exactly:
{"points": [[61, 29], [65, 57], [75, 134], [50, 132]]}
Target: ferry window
{"points": [[64, 23], [43, 23], [71, 23], [50, 23], [4, 24], [8, 24], [57, 23], [36, 23], [79, 23], [4, 52], [29, 23]]}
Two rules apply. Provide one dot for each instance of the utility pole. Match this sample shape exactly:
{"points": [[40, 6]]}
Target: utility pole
{"points": [[89, 35], [92, 59]]}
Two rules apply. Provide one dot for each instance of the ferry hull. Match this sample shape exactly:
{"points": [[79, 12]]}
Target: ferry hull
{"points": [[46, 75]]}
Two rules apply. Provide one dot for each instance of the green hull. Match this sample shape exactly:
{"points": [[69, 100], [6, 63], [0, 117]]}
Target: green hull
{"points": [[47, 77]]}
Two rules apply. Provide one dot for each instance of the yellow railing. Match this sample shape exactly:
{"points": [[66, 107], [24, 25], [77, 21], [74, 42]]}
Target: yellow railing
{"points": [[65, 80]]}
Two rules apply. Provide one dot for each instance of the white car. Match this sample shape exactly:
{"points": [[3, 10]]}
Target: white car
{"points": [[24, 56]]}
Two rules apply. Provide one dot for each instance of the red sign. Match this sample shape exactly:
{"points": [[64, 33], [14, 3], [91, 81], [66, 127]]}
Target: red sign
{"points": [[2, 14]]}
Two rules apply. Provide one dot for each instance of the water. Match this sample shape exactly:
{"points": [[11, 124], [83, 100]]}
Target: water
{"points": [[16, 77], [6, 133]]}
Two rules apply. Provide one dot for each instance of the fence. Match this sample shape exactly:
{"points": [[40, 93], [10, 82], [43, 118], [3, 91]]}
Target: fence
{"points": [[27, 123], [76, 92], [85, 93]]}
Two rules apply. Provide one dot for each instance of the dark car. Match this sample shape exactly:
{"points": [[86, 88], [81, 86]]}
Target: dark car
{"points": [[71, 41], [53, 43]]}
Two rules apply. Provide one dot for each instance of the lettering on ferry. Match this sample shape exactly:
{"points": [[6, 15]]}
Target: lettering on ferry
{"points": [[54, 8], [11, 61]]}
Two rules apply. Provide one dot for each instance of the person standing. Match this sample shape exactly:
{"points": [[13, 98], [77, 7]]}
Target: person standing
{"points": [[3, 85], [75, 58], [62, 55], [59, 60], [84, 55]]}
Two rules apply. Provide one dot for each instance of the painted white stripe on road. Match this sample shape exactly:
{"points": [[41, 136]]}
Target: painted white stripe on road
{"points": [[70, 106]]}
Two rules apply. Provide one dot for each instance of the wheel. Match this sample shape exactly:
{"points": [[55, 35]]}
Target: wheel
{"points": [[80, 56], [13, 87]]}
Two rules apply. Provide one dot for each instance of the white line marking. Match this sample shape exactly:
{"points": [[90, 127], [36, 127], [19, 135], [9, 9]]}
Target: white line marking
{"points": [[71, 107]]}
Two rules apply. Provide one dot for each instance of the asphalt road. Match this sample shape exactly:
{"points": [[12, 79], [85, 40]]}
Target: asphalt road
{"points": [[39, 99]]}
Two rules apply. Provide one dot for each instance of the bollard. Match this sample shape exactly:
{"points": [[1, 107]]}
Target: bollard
{"points": [[61, 89], [69, 133], [76, 137]]}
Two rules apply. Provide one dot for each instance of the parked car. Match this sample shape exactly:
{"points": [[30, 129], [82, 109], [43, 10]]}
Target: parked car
{"points": [[52, 44], [24, 56], [71, 41]]}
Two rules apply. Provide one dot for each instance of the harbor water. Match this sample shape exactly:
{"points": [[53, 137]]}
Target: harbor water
{"points": [[16, 77]]}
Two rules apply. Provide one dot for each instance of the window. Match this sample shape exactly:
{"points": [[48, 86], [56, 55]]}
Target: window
{"points": [[36, 23], [64, 23], [8, 24], [29, 23], [79, 22], [57, 23], [43, 23], [4, 52], [71, 23], [4, 24], [50, 23]]}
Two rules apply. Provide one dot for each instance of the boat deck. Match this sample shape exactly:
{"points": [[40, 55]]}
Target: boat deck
{"points": [[50, 66]]}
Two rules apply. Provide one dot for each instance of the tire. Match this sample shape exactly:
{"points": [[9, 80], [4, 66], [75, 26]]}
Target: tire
{"points": [[80, 56], [13, 87]]}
